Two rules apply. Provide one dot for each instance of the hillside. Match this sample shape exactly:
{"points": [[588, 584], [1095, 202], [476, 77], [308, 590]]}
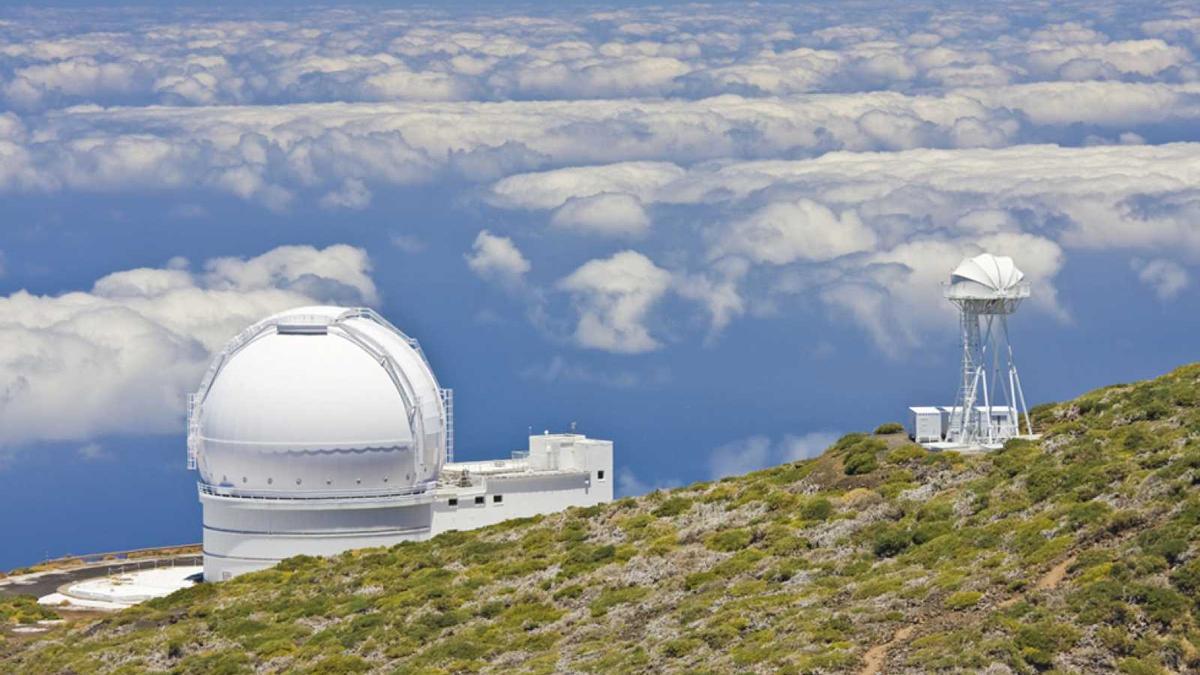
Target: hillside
{"points": [[1078, 552]]}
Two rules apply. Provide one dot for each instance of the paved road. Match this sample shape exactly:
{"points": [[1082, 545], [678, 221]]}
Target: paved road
{"points": [[49, 583]]}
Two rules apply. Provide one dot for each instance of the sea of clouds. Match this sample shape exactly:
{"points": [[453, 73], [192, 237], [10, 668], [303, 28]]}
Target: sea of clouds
{"points": [[718, 158]]}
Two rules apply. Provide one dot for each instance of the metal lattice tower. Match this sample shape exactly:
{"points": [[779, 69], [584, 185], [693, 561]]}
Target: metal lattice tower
{"points": [[990, 405]]}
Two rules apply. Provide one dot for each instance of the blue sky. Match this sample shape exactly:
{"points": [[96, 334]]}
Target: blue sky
{"points": [[711, 233]]}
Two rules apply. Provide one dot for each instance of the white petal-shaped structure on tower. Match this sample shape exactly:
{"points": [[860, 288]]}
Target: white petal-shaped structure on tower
{"points": [[987, 276]]}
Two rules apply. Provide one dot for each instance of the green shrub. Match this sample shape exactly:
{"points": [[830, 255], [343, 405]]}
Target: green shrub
{"points": [[569, 592], [340, 664], [611, 597], [672, 506], [1186, 578], [860, 463], [926, 532], [817, 508], [889, 428], [23, 609], [1161, 604], [1132, 666], [891, 540], [531, 614], [860, 453], [907, 453], [963, 600], [1169, 541], [729, 540], [673, 649], [1039, 642]]}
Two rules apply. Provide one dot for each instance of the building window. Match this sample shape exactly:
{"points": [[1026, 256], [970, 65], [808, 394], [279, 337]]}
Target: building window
{"points": [[496, 499], [600, 474], [479, 499], [453, 501]]}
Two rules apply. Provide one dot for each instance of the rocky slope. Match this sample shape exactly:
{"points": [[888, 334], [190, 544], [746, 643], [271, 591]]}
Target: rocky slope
{"points": [[1077, 552]]}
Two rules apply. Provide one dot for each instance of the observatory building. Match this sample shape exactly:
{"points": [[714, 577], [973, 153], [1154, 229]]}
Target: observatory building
{"points": [[989, 407], [323, 429]]}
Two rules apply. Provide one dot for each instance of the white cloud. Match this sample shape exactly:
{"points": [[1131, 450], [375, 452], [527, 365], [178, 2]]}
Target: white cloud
{"points": [[120, 357], [93, 452], [56, 57], [630, 485], [352, 195], [552, 189], [889, 226], [895, 295], [497, 258], [807, 446], [607, 213], [835, 152], [716, 290], [613, 297], [1167, 278], [560, 369], [759, 452], [408, 243], [783, 232], [274, 154], [1094, 58], [739, 457]]}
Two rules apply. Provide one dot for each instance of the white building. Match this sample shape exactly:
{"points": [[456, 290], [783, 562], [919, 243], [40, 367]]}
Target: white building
{"points": [[323, 429], [926, 424]]}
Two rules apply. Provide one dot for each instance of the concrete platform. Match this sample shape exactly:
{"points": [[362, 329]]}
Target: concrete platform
{"points": [[118, 591]]}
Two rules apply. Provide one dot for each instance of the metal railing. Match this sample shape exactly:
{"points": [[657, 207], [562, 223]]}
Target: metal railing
{"points": [[282, 496]]}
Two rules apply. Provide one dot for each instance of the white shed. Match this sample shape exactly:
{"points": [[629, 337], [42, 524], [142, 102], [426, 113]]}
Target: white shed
{"points": [[925, 424]]}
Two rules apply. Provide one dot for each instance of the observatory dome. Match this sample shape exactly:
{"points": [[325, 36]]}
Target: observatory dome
{"points": [[987, 277], [318, 401]]}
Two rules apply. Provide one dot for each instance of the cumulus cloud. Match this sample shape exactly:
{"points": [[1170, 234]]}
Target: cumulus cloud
{"points": [[553, 189], [739, 457], [56, 57], [274, 155], [836, 153], [783, 232], [119, 357], [807, 446], [497, 258], [873, 235], [629, 484], [93, 452], [759, 452], [1167, 278], [353, 194], [896, 294], [606, 213], [561, 369], [613, 297], [716, 289]]}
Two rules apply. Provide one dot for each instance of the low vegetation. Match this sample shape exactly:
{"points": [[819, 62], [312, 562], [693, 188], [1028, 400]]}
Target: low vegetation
{"points": [[1077, 553], [23, 610]]}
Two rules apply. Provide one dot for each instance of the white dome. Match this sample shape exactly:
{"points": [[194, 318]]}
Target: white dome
{"points": [[321, 400], [987, 276]]}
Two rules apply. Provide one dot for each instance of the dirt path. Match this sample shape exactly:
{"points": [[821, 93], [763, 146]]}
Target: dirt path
{"points": [[1050, 580], [876, 656]]}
